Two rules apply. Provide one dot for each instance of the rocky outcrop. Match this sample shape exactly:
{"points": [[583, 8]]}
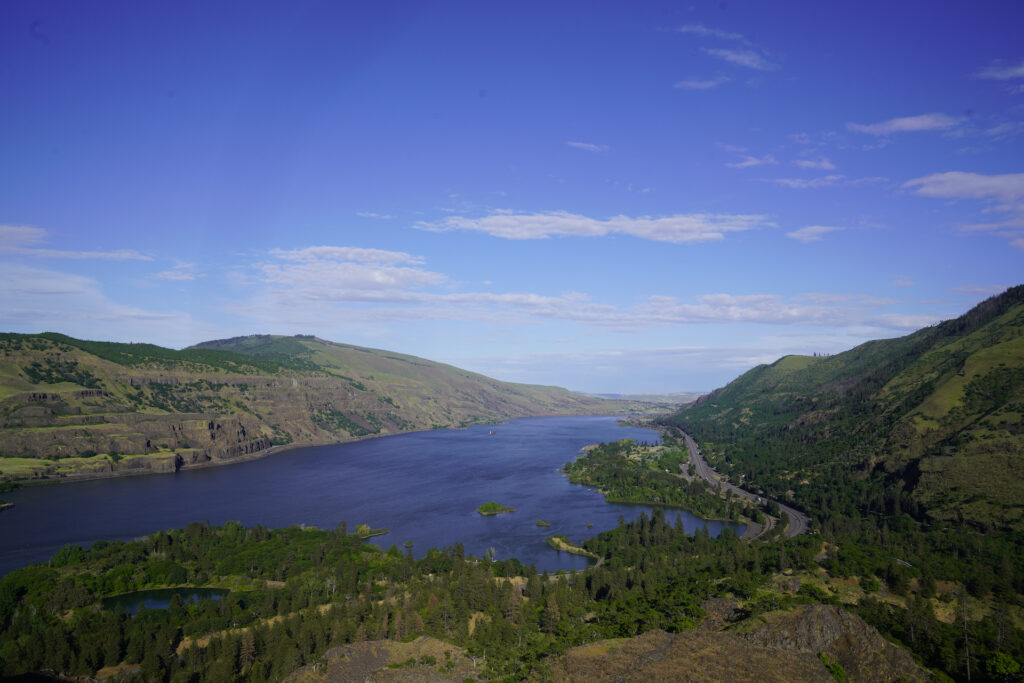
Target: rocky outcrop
{"points": [[696, 656], [845, 638], [779, 646]]}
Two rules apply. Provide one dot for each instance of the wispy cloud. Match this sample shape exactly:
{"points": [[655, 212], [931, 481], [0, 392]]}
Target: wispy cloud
{"points": [[699, 84], [351, 254], [304, 287], [677, 229], [1007, 188], [35, 299], [980, 290], [371, 214], [808, 183], [759, 308], [906, 124], [1005, 130], [1002, 72], [589, 146], [183, 272], [1005, 194], [903, 282], [812, 233], [704, 31], [749, 161], [21, 239], [744, 58], [820, 163]]}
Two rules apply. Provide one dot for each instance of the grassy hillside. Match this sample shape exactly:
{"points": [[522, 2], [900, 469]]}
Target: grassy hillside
{"points": [[70, 407], [929, 423]]}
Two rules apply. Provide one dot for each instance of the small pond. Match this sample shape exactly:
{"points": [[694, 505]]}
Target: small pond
{"points": [[160, 598]]}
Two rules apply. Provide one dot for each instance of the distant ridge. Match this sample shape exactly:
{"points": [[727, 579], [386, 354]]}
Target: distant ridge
{"points": [[671, 398], [72, 408]]}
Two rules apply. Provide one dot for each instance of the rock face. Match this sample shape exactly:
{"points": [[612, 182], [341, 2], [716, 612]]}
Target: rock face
{"points": [[863, 653], [687, 656], [780, 646]]}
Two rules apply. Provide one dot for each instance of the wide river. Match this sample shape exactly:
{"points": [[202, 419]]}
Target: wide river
{"points": [[424, 487]]}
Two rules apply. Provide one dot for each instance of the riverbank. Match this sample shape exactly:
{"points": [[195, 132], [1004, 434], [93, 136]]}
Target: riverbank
{"points": [[424, 487], [162, 467]]}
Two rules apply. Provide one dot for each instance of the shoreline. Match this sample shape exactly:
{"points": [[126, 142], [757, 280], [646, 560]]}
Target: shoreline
{"points": [[560, 544], [257, 455]]}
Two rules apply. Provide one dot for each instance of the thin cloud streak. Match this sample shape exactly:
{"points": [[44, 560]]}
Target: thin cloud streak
{"points": [[1001, 72], [906, 124], [808, 183], [1004, 192], [588, 146], [812, 233], [750, 161], [704, 31], [745, 58], [299, 290], [697, 84], [20, 239], [821, 163], [676, 229]]}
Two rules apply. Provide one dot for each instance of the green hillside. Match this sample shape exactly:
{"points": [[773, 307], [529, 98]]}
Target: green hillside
{"points": [[75, 408], [929, 423]]}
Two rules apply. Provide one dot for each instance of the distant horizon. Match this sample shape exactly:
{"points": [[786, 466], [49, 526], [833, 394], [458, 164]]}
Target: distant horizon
{"points": [[542, 383], [626, 199]]}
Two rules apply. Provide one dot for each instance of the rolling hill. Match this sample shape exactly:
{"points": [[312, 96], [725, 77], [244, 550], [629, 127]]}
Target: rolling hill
{"points": [[75, 408]]}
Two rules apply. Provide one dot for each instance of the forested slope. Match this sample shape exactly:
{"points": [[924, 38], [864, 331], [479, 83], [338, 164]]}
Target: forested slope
{"points": [[929, 424]]}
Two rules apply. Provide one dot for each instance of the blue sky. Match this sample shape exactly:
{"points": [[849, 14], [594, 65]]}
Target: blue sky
{"points": [[611, 197]]}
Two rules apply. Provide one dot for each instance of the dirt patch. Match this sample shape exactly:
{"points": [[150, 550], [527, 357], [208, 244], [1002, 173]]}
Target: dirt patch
{"points": [[425, 659]]}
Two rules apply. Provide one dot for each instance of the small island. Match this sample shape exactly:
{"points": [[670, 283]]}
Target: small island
{"points": [[492, 508], [563, 544], [541, 522]]}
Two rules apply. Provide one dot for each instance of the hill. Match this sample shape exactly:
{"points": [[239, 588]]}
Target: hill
{"points": [[929, 424], [76, 408]]}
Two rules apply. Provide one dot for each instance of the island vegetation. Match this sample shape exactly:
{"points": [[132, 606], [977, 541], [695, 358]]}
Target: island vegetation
{"points": [[630, 472], [364, 531], [490, 509]]}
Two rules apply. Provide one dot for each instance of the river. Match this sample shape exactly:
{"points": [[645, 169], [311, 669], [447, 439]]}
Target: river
{"points": [[424, 487]]}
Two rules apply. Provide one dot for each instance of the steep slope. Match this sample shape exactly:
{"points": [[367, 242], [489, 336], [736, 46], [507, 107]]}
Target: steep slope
{"points": [[929, 423], [72, 408]]}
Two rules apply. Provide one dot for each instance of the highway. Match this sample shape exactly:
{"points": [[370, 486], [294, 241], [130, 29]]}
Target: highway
{"points": [[798, 522]]}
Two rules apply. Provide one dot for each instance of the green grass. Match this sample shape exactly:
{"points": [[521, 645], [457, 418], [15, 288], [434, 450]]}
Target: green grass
{"points": [[17, 467]]}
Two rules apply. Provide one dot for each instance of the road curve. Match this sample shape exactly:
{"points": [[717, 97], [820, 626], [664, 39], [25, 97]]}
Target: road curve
{"points": [[798, 522]]}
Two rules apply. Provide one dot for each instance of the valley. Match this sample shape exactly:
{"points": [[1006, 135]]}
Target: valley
{"points": [[73, 409], [891, 471]]}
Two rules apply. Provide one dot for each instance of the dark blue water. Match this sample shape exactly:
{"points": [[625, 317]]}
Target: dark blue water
{"points": [[160, 598], [424, 487]]}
